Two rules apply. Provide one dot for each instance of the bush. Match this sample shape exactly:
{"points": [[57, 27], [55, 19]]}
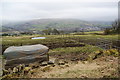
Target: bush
{"points": [[115, 28], [107, 31], [113, 52]]}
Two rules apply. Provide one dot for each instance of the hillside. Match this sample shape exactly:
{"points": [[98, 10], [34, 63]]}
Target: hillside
{"points": [[60, 24]]}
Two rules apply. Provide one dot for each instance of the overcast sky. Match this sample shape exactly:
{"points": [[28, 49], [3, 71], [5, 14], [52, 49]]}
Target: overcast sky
{"points": [[94, 10]]}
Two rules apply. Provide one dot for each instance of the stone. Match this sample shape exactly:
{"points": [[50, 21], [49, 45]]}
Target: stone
{"points": [[10, 71], [74, 59], [66, 61], [5, 71], [26, 70], [56, 61], [46, 68], [45, 63], [67, 65], [50, 62], [85, 62], [20, 67], [31, 71], [53, 65], [9, 76], [61, 62], [94, 55], [61, 67], [23, 66], [35, 66], [15, 70], [25, 54]]}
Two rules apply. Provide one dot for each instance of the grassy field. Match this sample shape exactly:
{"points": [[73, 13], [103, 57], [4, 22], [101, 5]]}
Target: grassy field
{"points": [[76, 48], [56, 41], [62, 44]]}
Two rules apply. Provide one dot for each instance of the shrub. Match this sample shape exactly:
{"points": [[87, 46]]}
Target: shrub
{"points": [[113, 52]]}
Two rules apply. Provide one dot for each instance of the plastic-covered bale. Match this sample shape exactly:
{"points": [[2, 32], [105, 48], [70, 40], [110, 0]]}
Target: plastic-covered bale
{"points": [[26, 54]]}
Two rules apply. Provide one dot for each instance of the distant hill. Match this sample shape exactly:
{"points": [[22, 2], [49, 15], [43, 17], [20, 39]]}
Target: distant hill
{"points": [[60, 24]]}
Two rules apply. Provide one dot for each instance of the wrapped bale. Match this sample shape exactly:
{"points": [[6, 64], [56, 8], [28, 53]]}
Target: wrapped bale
{"points": [[25, 54]]}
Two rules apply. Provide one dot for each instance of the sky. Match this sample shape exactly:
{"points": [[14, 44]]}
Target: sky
{"points": [[89, 10]]}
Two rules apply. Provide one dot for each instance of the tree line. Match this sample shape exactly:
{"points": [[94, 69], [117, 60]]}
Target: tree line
{"points": [[51, 31], [115, 29]]}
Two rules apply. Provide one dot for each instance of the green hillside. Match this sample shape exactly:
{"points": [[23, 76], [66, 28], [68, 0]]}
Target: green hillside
{"points": [[60, 24]]}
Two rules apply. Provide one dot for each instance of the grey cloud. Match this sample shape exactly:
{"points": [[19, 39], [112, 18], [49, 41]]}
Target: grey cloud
{"points": [[84, 10], [59, 6]]}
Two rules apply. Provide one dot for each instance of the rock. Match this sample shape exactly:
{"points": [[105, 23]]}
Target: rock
{"points": [[10, 71], [26, 65], [74, 59], [50, 62], [6, 77], [65, 61], [5, 71], [61, 62], [15, 70], [94, 55], [46, 68], [45, 63], [31, 71], [25, 54], [62, 66], [82, 58], [85, 62], [53, 65], [67, 65], [84, 77], [20, 67], [34, 65], [23, 66], [56, 61], [26, 70]]}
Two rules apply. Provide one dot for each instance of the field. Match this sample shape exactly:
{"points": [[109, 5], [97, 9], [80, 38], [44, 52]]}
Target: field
{"points": [[55, 41], [76, 50]]}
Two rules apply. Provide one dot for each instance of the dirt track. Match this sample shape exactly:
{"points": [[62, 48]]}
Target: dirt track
{"points": [[101, 67]]}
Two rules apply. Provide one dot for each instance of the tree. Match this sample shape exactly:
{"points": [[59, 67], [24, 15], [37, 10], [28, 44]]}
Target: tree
{"points": [[50, 31], [115, 28], [55, 31], [45, 32], [107, 31], [115, 25]]}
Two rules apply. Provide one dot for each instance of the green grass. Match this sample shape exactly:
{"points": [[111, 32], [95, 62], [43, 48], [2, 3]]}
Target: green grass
{"points": [[76, 50], [55, 41], [94, 32]]}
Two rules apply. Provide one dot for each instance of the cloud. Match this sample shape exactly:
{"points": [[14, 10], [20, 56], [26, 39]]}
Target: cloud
{"points": [[85, 10], [60, 1]]}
